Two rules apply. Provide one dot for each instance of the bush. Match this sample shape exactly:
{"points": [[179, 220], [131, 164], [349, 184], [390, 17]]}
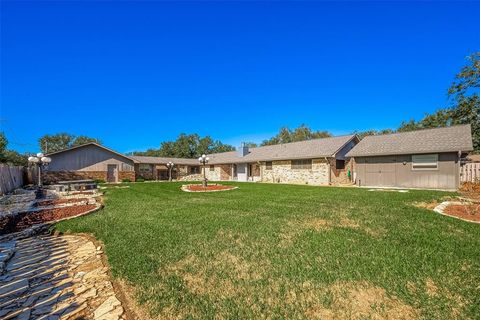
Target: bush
{"points": [[140, 180], [126, 180], [99, 181]]}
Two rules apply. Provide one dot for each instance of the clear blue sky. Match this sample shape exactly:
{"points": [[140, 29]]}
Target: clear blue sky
{"points": [[137, 73]]}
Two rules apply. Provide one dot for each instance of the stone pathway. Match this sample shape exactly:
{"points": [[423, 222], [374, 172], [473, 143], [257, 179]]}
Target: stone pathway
{"points": [[55, 277]]}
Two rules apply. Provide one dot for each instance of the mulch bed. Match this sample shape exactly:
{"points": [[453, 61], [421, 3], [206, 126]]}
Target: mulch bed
{"points": [[213, 187], [469, 212], [26, 219], [55, 202]]}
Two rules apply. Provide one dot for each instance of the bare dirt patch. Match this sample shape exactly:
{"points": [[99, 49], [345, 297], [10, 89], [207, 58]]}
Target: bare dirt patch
{"points": [[360, 300]]}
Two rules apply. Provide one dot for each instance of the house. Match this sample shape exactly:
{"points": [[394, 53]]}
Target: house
{"points": [[317, 162], [93, 161], [428, 158]]}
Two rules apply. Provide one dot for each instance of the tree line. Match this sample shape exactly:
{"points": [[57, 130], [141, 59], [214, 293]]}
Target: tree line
{"points": [[463, 108]]}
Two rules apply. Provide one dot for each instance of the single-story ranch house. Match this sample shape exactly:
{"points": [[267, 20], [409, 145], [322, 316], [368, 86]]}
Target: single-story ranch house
{"points": [[427, 158], [317, 162]]}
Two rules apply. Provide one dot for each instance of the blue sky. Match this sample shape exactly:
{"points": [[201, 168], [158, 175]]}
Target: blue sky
{"points": [[137, 73]]}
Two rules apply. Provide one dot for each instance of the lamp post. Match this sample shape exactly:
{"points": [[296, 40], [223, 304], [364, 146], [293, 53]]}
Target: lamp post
{"points": [[40, 161], [203, 161], [170, 167]]}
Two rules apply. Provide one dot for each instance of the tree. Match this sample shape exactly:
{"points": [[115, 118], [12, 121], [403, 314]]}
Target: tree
{"points": [[468, 77], [465, 98], [3, 142], [60, 141], [11, 157], [188, 146], [78, 141], [464, 107], [363, 134], [302, 133]]}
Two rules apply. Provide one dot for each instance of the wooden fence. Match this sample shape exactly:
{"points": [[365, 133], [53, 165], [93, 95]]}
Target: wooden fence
{"points": [[11, 178], [470, 172]]}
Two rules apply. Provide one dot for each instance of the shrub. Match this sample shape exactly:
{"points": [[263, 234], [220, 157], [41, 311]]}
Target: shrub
{"points": [[126, 180], [99, 181], [140, 180]]}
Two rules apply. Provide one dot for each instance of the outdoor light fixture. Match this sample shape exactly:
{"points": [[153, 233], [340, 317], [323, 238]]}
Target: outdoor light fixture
{"points": [[170, 165], [40, 161], [203, 161]]}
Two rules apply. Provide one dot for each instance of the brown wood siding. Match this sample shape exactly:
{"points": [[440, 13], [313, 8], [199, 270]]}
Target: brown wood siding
{"points": [[396, 171], [88, 158]]}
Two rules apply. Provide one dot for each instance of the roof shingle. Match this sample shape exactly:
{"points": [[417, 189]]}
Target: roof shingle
{"points": [[447, 139], [316, 148]]}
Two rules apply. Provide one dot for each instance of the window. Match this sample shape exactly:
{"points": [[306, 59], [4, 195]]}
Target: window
{"points": [[268, 165], [340, 164], [302, 164], [425, 162], [212, 168], [144, 167], [194, 170]]}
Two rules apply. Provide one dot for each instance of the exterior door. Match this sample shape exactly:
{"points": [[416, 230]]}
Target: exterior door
{"points": [[112, 173], [242, 172], [380, 171]]}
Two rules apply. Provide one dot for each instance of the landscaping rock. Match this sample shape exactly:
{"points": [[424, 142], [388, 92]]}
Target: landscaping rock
{"points": [[55, 277]]}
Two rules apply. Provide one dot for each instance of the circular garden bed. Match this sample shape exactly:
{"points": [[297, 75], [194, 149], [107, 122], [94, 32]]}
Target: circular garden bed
{"points": [[470, 212], [209, 188]]}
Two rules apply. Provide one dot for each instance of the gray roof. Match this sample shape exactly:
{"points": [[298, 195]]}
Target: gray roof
{"points": [[89, 144], [316, 148], [163, 160], [448, 139]]}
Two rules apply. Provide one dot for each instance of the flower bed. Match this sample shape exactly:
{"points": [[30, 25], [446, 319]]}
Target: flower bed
{"points": [[209, 188], [470, 212], [27, 219], [54, 202]]}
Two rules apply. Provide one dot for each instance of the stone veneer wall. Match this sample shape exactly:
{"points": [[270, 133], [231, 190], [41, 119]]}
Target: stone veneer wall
{"points": [[221, 172], [126, 175], [213, 175], [282, 172]]}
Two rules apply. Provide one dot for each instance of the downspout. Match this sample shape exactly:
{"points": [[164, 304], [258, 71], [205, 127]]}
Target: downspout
{"points": [[329, 171], [459, 168]]}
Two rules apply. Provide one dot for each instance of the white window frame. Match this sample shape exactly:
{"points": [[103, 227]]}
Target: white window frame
{"points": [[422, 162]]}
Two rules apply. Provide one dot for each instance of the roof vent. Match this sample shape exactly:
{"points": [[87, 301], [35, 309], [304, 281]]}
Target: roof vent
{"points": [[243, 150]]}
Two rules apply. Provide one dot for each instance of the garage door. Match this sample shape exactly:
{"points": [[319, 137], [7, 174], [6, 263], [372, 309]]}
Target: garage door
{"points": [[380, 171]]}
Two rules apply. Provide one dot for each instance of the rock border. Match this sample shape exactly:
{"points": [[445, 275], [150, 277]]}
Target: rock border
{"points": [[442, 206], [185, 188]]}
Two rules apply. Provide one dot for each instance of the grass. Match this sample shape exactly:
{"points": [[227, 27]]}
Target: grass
{"points": [[285, 251]]}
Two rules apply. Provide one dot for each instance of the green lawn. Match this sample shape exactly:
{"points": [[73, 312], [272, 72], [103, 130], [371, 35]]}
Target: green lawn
{"points": [[286, 251]]}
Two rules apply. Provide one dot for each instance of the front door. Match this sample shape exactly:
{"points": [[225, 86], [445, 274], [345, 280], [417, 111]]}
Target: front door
{"points": [[112, 173]]}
